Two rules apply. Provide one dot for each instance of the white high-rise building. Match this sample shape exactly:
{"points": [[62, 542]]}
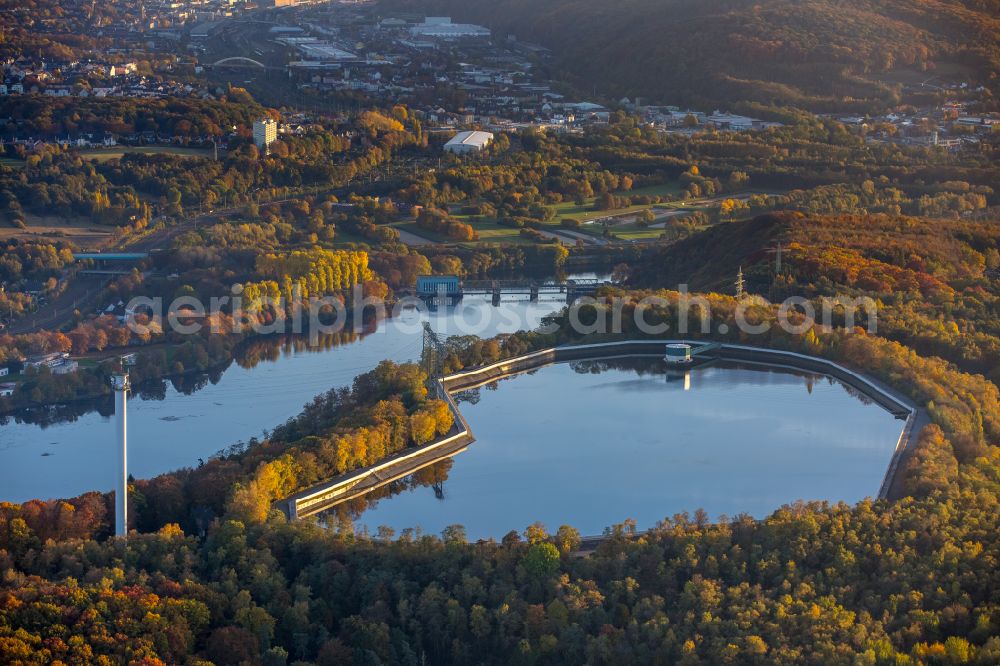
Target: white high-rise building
{"points": [[265, 132]]}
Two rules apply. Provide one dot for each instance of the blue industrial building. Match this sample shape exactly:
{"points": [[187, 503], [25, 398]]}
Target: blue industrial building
{"points": [[430, 286]]}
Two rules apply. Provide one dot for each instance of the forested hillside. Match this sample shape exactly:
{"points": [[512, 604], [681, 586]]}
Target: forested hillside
{"points": [[916, 268], [813, 54], [908, 582], [876, 253]]}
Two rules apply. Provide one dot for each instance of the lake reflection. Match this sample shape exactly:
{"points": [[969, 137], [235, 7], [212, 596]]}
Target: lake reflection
{"points": [[592, 444], [174, 423]]}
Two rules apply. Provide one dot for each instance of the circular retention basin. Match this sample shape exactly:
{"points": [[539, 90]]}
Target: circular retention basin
{"points": [[593, 443]]}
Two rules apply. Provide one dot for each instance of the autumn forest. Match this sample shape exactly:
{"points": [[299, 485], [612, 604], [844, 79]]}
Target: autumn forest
{"points": [[870, 172]]}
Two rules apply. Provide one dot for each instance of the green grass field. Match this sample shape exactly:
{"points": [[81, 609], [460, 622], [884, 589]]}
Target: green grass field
{"points": [[492, 233], [586, 212], [423, 233], [105, 154], [343, 238], [488, 230], [637, 234], [661, 190]]}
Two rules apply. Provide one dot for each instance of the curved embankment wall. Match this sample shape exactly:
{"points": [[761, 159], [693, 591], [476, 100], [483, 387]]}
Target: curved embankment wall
{"points": [[355, 484]]}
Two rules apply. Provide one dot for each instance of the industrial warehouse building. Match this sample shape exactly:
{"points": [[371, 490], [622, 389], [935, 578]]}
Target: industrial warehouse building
{"points": [[441, 27], [434, 285], [468, 142]]}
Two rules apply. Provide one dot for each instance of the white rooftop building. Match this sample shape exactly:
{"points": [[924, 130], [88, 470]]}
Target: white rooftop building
{"points": [[468, 142], [325, 52], [441, 27]]}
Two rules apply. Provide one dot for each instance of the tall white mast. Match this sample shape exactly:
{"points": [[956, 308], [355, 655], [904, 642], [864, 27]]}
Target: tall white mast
{"points": [[120, 385]]}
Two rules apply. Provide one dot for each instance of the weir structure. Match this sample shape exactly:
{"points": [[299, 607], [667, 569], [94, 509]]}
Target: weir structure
{"points": [[449, 289], [355, 484]]}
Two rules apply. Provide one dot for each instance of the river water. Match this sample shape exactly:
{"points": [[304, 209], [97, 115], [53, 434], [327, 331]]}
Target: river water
{"points": [[588, 444], [591, 444], [175, 425]]}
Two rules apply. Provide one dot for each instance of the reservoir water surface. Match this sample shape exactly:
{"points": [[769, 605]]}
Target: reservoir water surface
{"points": [[591, 444]]}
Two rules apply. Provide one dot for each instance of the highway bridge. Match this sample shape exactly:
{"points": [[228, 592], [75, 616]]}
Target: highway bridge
{"points": [[110, 256], [109, 264], [239, 61]]}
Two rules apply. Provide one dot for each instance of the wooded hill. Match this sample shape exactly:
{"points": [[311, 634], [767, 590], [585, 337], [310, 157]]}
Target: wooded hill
{"points": [[813, 54], [935, 280]]}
